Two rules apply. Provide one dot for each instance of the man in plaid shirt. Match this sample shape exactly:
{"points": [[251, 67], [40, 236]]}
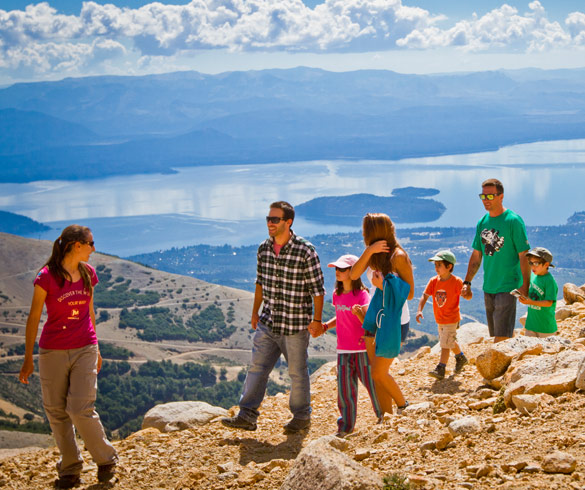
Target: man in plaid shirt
{"points": [[289, 283]]}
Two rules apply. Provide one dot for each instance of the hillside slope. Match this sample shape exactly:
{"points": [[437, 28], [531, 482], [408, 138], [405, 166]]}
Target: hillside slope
{"points": [[212, 457]]}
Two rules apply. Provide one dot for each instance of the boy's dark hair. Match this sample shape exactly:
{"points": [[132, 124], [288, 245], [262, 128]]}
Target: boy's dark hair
{"points": [[447, 264], [288, 212], [494, 182]]}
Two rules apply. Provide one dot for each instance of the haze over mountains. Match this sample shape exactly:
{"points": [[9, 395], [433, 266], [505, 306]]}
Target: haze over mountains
{"points": [[127, 125]]}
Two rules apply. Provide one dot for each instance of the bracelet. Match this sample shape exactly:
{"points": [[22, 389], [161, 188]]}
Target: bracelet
{"points": [[468, 283], [315, 320], [325, 327]]}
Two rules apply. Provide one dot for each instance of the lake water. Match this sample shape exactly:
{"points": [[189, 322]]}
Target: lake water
{"points": [[227, 204]]}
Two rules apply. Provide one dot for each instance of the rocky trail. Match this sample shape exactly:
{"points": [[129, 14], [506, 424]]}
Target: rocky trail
{"points": [[451, 437]]}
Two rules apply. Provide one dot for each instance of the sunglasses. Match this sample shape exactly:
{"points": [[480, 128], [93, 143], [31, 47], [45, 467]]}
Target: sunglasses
{"points": [[534, 264], [489, 197], [91, 244], [274, 219], [342, 269]]}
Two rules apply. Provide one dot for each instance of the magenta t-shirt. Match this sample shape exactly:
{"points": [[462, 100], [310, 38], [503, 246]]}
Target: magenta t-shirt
{"points": [[348, 326], [69, 324]]}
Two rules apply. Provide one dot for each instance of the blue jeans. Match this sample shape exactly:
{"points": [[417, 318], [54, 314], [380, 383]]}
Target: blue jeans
{"points": [[265, 352]]}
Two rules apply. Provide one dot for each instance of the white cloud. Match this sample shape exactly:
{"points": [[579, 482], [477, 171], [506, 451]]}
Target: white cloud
{"points": [[44, 40]]}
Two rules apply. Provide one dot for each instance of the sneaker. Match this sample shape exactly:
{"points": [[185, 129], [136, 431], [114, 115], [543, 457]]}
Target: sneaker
{"points": [[67, 481], [106, 472], [399, 410], [341, 434], [460, 362], [438, 372], [380, 420], [238, 422], [295, 425]]}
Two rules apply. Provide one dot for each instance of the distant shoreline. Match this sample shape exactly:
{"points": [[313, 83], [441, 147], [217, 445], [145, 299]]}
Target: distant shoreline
{"points": [[174, 169]]}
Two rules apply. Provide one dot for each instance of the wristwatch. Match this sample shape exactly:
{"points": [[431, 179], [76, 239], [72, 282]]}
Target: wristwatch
{"points": [[468, 283]]}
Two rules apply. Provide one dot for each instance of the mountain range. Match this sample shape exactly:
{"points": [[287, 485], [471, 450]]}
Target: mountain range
{"points": [[99, 126]]}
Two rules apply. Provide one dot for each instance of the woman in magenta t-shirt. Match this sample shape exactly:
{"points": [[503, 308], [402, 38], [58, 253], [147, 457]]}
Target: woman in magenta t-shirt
{"points": [[69, 359], [350, 299]]}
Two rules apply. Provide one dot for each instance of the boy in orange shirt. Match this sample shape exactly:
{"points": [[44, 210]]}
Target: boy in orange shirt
{"points": [[445, 288]]}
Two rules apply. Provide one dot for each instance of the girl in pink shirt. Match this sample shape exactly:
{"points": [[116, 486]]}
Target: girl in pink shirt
{"points": [[69, 358], [350, 299]]}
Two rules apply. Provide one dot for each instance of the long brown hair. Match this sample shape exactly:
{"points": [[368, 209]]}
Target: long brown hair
{"points": [[356, 285], [376, 227], [61, 247]]}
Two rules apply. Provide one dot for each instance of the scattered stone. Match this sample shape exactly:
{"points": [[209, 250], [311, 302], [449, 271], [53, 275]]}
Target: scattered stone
{"points": [[559, 462], [526, 404], [428, 446], [484, 470], [419, 407], [170, 417], [320, 462], [444, 440], [464, 425], [381, 437], [562, 313], [418, 480], [481, 404], [226, 467], [362, 453], [532, 468]]}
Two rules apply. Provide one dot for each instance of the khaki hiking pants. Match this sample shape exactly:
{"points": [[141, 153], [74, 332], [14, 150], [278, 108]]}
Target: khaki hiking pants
{"points": [[69, 386]]}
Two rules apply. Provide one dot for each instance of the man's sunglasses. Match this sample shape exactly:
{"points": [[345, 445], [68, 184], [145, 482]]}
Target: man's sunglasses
{"points": [[274, 219], [489, 197]]}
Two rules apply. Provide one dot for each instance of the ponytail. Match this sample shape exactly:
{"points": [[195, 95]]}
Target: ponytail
{"points": [[61, 247]]}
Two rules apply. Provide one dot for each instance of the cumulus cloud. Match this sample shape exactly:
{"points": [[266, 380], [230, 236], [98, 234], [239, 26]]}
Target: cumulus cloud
{"points": [[41, 38]]}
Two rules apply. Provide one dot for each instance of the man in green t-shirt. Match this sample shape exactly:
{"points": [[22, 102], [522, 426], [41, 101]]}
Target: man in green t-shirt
{"points": [[501, 242]]}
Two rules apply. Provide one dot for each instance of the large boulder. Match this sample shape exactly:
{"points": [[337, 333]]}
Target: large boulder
{"points": [[321, 465], [580, 381], [468, 333], [497, 358], [554, 374], [573, 294], [170, 417]]}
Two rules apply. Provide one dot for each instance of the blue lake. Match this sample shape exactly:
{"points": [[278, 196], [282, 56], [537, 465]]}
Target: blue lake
{"points": [[227, 204]]}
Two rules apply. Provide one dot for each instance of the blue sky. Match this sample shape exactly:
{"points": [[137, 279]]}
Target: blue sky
{"points": [[62, 38]]}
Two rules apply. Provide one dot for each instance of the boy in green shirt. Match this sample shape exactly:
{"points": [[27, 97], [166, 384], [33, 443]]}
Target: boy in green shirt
{"points": [[542, 295]]}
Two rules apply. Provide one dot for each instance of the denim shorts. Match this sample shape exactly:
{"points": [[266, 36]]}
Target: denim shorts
{"points": [[500, 310]]}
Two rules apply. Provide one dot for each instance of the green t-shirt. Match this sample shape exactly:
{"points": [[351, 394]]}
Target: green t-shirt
{"points": [[500, 240], [540, 318]]}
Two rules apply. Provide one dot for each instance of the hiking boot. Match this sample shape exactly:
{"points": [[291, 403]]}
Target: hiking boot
{"points": [[399, 410], [67, 481], [438, 372], [295, 425], [238, 422], [106, 472], [460, 361]]}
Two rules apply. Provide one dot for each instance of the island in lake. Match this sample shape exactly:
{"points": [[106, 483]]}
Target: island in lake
{"points": [[404, 205]]}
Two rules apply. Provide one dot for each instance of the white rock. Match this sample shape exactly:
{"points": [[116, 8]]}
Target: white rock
{"points": [[526, 403], [559, 462], [174, 416], [333, 470], [464, 425], [419, 407], [468, 333]]}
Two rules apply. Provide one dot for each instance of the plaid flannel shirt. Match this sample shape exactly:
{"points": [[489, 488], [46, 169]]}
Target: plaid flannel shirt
{"points": [[289, 283]]}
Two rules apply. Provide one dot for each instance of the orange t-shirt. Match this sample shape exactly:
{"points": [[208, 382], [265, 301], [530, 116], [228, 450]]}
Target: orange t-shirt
{"points": [[446, 296]]}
